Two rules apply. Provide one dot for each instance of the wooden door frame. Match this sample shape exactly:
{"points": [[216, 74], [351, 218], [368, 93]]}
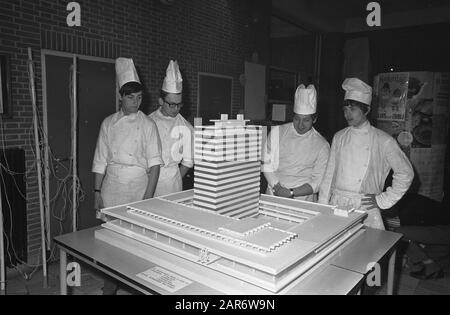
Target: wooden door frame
{"points": [[44, 53]]}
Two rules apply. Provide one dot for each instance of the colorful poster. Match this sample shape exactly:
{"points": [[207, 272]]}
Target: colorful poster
{"points": [[420, 104], [423, 132], [393, 91]]}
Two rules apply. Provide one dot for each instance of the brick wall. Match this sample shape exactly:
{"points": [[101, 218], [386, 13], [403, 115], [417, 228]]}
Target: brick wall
{"points": [[203, 35]]}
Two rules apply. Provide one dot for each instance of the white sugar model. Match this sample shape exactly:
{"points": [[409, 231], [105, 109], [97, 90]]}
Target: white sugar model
{"points": [[228, 167], [226, 226]]}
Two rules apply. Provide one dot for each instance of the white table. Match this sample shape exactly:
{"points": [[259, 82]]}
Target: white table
{"points": [[123, 266]]}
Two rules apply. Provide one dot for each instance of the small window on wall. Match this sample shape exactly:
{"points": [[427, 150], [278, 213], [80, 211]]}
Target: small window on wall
{"points": [[279, 112], [214, 96], [282, 85], [5, 92]]}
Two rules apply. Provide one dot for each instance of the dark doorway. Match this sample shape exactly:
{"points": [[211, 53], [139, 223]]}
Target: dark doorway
{"points": [[96, 94]]}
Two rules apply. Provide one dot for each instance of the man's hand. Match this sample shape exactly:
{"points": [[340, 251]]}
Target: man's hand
{"points": [[183, 170], [148, 195], [369, 202], [98, 201], [281, 191]]}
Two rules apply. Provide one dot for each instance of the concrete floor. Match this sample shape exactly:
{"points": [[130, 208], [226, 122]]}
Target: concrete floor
{"points": [[92, 283]]}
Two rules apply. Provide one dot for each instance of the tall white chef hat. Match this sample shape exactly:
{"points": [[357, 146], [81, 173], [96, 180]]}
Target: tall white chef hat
{"points": [[126, 72], [357, 90], [173, 82], [305, 100]]}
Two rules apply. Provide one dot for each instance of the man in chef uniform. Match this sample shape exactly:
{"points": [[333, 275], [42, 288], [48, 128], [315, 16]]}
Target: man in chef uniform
{"points": [[296, 154], [360, 160], [176, 133], [127, 157]]}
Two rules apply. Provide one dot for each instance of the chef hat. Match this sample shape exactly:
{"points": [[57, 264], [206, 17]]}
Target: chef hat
{"points": [[357, 90], [173, 82], [126, 72], [305, 100]]}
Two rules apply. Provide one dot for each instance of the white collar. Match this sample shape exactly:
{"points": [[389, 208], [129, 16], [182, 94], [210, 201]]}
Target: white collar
{"points": [[303, 135], [166, 117], [121, 115], [364, 128]]}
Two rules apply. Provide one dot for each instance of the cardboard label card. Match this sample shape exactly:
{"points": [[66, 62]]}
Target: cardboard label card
{"points": [[164, 279]]}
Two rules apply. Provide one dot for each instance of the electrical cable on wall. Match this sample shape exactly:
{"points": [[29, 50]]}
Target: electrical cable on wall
{"points": [[2, 249], [64, 185], [74, 143], [68, 187], [38, 153], [63, 191], [8, 234]]}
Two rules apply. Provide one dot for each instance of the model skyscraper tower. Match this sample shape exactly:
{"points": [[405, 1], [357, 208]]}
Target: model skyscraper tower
{"points": [[227, 167]]}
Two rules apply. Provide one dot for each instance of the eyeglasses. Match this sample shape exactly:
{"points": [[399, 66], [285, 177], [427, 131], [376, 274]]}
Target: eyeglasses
{"points": [[174, 105]]}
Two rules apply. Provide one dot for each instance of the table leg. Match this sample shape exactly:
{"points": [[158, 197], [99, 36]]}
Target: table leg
{"points": [[391, 273], [62, 271]]}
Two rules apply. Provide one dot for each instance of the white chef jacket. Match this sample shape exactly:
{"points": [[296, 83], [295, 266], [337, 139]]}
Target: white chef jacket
{"points": [[360, 160], [127, 146], [177, 136], [293, 159]]}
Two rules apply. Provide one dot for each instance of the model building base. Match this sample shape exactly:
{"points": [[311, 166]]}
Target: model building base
{"points": [[280, 242]]}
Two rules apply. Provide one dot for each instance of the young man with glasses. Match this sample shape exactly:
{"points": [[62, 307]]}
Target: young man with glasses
{"points": [[176, 134]]}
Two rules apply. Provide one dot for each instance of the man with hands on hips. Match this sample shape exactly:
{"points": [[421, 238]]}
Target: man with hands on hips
{"points": [[361, 158]]}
